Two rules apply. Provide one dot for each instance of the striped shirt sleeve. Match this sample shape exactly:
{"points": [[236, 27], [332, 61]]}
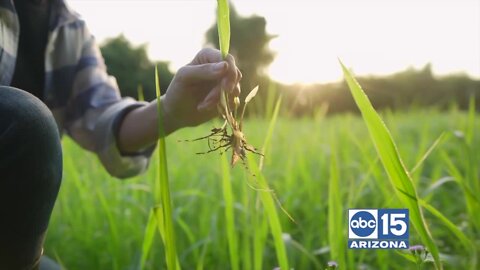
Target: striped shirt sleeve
{"points": [[95, 108]]}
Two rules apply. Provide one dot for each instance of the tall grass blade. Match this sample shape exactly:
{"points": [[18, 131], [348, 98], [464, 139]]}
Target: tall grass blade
{"points": [[394, 167], [141, 96], [271, 127], [271, 90], [335, 214], [471, 198], [268, 198], [268, 202], [248, 228], [148, 238], [163, 183], [472, 173], [160, 221], [223, 26], [429, 151], [200, 263], [471, 120], [464, 240], [308, 254], [260, 230], [115, 243], [229, 214], [266, 144]]}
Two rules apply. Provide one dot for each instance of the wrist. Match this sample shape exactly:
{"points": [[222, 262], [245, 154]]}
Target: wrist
{"points": [[167, 120]]}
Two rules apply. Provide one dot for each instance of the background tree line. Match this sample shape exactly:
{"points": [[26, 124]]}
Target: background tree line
{"points": [[249, 44]]}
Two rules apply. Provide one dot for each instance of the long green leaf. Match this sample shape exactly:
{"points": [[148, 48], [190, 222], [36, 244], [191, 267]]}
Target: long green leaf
{"points": [[163, 183], [267, 198], [229, 214], [470, 130], [271, 127], [160, 221], [141, 96], [467, 244], [113, 227], [223, 25], [390, 157], [260, 233], [471, 198], [335, 214], [148, 238], [246, 222], [271, 90], [429, 151]]}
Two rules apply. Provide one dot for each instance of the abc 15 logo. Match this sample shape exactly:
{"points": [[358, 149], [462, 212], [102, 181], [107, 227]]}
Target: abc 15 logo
{"points": [[378, 224]]}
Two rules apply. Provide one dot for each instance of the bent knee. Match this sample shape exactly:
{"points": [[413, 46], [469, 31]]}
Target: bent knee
{"points": [[25, 116], [29, 135]]}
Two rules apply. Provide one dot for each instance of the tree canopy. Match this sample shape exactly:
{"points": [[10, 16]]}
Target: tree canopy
{"points": [[132, 68]]}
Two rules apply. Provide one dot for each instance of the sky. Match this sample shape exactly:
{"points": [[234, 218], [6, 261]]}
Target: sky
{"points": [[373, 37]]}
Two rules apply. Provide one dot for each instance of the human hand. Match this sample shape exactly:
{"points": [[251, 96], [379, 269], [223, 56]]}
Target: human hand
{"points": [[194, 92], [190, 100]]}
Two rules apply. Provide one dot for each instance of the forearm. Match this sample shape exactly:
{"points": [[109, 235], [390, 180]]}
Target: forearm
{"points": [[139, 128]]}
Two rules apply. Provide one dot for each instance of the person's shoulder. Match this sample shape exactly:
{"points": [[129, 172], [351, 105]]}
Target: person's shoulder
{"points": [[66, 16]]}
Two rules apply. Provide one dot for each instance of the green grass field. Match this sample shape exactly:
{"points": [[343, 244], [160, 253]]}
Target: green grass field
{"points": [[99, 222]]}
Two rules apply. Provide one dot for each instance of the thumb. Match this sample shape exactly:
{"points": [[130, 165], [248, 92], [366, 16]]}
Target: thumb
{"points": [[211, 71]]}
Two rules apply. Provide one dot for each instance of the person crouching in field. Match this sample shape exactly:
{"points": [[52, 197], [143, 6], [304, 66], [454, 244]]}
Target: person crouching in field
{"points": [[53, 81]]}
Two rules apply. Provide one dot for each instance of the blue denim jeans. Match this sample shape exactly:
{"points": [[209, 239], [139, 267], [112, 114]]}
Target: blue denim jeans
{"points": [[30, 176]]}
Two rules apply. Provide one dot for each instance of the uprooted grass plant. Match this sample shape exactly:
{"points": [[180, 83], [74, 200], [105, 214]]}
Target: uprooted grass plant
{"points": [[230, 135]]}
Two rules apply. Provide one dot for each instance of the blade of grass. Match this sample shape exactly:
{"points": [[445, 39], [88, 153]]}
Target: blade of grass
{"points": [[260, 232], [335, 214], [429, 151], [469, 134], [394, 167], [472, 173], [306, 253], [59, 260], [408, 256], [229, 214], [467, 244], [223, 26], [141, 96], [271, 90], [201, 261], [187, 231], [268, 199], [163, 183], [471, 198], [160, 221], [247, 229], [268, 202], [148, 238], [114, 243], [268, 136]]}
